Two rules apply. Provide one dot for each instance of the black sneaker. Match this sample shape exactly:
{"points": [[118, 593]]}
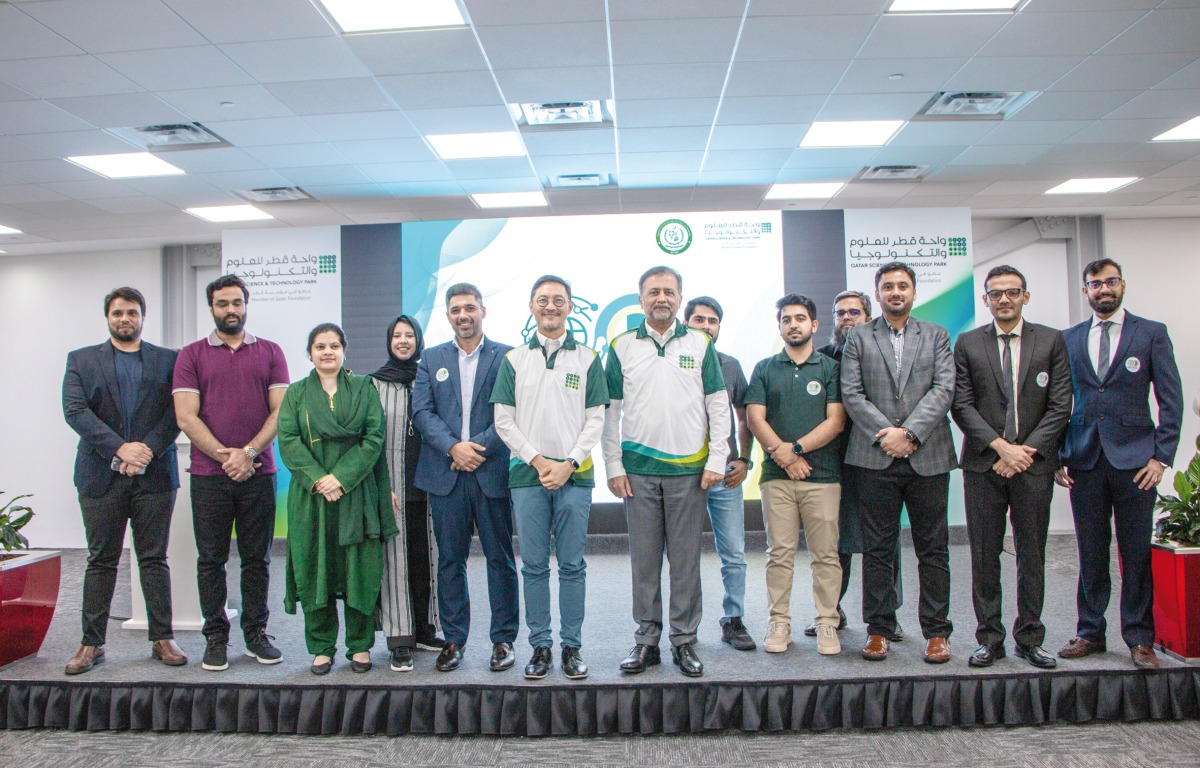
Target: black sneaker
{"points": [[215, 657], [258, 646], [430, 643], [734, 632], [402, 659]]}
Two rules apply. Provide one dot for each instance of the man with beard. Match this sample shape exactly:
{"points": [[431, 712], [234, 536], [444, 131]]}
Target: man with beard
{"points": [[897, 385], [667, 397], [549, 403], [464, 468], [1114, 457], [726, 509], [117, 396], [852, 309], [228, 389], [795, 409]]}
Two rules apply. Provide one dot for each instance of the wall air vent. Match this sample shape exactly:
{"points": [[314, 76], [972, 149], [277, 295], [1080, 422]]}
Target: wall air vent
{"points": [[974, 105], [273, 194], [167, 138], [892, 173]]}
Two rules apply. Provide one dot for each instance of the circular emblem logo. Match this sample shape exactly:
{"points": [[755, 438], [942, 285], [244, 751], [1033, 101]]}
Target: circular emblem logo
{"points": [[1133, 365], [1043, 379], [442, 374], [673, 236], [814, 387]]}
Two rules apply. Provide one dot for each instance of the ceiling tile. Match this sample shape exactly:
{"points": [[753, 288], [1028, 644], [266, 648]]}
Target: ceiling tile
{"points": [[183, 191], [674, 40], [491, 168], [386, 151], [530, 46], [495, 12], [12, 149], [121, 110], [874, 75], [935, 133], [550, 166], [657, 180], [674, 9], [245, 102], [1110, 131], [1179, 104], [298, 155], [750, 158], [757, 136], [15, 195], [1133, 71], [660, 162], [129, 25], [442, 89], [1159, 31], [428, 50], [138, 203], [235, 180], [393, 173], [21, 37], [324, 175], [235, 21], [278, 61], [177, 68], [1188, 77], [752, 110], [358, 126], [213, 160], [1033, 132], [891, 106], [1072, 105], [778, 79], [905, 36], [678, 81], [323, 97], [11, 93], [802, 37], [855, 157], [790, 7], [91, 191], [461, 120], [1012, 73], [999, 155], [79, 143], [64, 76], [267, 131], [649, 113], [1034, 34], [913, 155], [591, 141], [41, 171], [565, 84], [677, 139]]}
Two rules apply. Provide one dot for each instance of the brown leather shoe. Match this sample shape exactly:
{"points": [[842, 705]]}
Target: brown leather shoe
{"points": [[85, 658], [168, 653], [876, 648], [1144, 657], [937, 650], [1077, 648]]}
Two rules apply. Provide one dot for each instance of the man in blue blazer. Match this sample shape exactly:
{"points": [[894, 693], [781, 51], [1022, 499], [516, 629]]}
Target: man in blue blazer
{"points": [[1114, 457], [117, 397], [464, 468]]}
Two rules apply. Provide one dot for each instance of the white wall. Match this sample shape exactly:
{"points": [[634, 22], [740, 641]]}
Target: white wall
{"points": [[54, 304]]}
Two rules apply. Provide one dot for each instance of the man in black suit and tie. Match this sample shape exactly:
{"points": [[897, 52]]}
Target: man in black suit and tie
{"points": [[117, 396], [1012, 399]]}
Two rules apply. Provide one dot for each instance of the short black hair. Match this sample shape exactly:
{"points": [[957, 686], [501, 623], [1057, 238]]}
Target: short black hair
{"points": [[892, 266], [547, 279], [795, 298], [863, 298], [226, 281], [127, 293], [463, 289], [326, 328], [657, 271], [1003, 269], [703, 301], [1099, 264]]}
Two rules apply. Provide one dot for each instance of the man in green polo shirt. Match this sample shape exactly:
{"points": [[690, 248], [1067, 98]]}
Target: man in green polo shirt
{"points": [[795, 409]]}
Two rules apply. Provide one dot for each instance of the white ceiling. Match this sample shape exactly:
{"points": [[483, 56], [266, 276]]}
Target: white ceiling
{"points": [[711, 99]]}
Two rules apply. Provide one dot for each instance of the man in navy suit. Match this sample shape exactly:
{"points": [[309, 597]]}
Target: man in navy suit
{"points": [[1114, 457], [464, 468], [117, 396]]}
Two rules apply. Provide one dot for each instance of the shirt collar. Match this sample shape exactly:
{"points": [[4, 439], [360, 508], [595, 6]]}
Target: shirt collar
{"points": [[463, 353], [782, 357], [677, 329], [566, 341], [1017, 330], [1118, 318], [215, 341]]}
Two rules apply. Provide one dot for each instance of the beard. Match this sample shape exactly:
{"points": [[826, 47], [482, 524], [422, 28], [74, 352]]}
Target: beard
{"points": [[1106, 305], [797, 341], [465, 330], [126, 334], [838, 337], [231, 324]]}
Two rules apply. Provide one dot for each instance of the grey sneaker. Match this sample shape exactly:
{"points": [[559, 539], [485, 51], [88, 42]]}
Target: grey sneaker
{"points": [[215, 655], [779, 637], [827, 641], [734, 632], [258, 646]]}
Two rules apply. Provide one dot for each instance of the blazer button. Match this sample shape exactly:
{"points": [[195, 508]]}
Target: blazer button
{"points": [[1102, 417], [1101, 390]]}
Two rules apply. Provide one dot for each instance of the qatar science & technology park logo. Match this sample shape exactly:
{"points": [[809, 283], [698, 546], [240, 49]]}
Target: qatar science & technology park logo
{"points": [[673, 236]]}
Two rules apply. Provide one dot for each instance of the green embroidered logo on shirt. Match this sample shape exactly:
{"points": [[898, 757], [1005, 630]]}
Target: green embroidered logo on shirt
{"points": [[687, 362], [572, 381]]}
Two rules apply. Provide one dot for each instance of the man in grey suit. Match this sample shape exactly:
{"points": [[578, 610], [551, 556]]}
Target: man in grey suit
{"points": [[1012, 399], [897, 386]]}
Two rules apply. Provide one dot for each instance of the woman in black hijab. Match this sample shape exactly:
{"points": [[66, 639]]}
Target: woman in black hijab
{"points": [[407, 598]]}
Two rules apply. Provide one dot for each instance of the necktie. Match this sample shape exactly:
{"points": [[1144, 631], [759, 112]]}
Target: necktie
{"points": [[1010, 407], [1105, 350]]}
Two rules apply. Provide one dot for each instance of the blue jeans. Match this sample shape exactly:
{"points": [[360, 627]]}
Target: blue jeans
{"points": [[563, 512], [728, 516]]}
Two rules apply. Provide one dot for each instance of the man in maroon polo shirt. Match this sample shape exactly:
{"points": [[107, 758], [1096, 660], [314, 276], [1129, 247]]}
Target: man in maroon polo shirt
{"points": [[228, 388]]}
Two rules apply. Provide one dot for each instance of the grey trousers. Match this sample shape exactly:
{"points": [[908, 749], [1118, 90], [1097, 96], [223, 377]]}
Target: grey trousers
{"points": [[666, 514]]}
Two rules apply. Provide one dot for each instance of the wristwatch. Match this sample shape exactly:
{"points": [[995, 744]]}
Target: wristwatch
{"points": [[251, 453], [911, 436], [746, 459], [574, 463], [797, 448]]}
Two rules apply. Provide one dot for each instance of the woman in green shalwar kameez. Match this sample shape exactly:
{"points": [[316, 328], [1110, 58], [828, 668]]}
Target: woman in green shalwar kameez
{"points": [[331, 432]]}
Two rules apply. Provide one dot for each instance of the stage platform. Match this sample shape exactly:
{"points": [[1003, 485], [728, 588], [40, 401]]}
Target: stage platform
{"points": [[750, 691]]}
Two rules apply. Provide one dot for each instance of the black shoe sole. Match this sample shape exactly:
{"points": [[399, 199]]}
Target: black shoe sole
{"points": [[535, 676], [576, 676], [1042, 665], [261, 659], [638, 670], [321, 669]]}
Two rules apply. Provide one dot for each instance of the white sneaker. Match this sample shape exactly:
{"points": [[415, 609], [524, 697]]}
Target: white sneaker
{"points": [[779, 637], [827, 641]]}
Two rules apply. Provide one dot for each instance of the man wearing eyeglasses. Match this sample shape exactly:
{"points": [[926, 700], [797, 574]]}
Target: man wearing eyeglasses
{"points": [[852, 309], [1114, 457], [549, 402], [1012, 399]]}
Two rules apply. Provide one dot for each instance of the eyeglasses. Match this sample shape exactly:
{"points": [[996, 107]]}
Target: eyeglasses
{"points": [[1094, 285], [1012, 293], [222, 304], [545, 301], [844, 312]]}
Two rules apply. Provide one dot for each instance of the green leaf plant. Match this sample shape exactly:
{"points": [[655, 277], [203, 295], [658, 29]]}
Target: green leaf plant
{"points": [[1181, 513], [14, 517]]}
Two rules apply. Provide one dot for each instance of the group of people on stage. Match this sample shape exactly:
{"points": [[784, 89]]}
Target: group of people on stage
{"points": [[393, 473]]}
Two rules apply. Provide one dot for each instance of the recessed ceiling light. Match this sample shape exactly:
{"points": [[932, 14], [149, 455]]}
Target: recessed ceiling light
{"points": [[376, 16], [851, 133], [953, 6], [562, 112], [1091, 186], [804, 191], [130, 165], [1189, 131], [9, 230], [460, 146], [218, 214], [509, 199]]}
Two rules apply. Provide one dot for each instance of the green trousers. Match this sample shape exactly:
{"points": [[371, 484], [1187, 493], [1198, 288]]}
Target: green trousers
{"points": [[321, 630]]}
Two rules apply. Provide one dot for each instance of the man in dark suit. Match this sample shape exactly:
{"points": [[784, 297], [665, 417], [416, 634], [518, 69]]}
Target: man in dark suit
{"points": [[117, 396], [464, 468], [1114, 457], [1012, 398], [897, 386]]}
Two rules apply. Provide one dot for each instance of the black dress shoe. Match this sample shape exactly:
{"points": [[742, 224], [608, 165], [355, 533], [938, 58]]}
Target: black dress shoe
{"points": [[640, 657], [321, 669], [985, 655], [1035, 655], [539, 666], [450, 657], [360, 666], [572, 664], [686, 659], [503, 657]]}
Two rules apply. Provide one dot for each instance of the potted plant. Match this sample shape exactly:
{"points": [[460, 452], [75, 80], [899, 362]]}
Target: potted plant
{"points": [[28, 586], [1175, 561]]}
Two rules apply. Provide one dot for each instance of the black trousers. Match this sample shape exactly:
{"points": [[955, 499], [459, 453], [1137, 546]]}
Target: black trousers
{"points": [[104, 520], [990, 501], [883, 495], [218, 504]]}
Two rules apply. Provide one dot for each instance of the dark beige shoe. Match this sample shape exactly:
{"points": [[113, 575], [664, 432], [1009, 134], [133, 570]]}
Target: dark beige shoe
{"points": [[85, 658], [168, 653]]}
